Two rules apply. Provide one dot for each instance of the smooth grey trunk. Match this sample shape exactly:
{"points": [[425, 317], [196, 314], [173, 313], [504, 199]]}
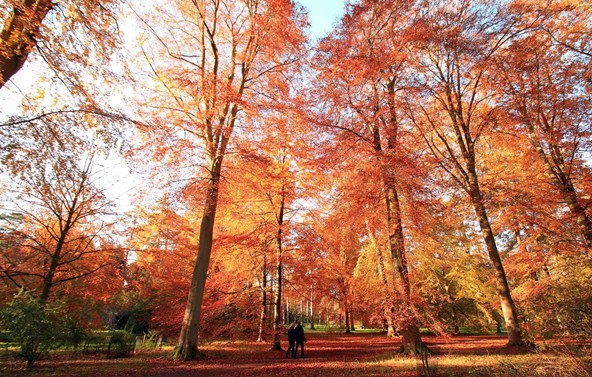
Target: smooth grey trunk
{"points": [[263, 298], [187, 347], [277, 330], [387, 307], [503, 289]]}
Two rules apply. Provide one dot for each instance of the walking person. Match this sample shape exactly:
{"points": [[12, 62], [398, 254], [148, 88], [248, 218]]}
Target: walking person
{"points": [[300, 339], [291, 338]]}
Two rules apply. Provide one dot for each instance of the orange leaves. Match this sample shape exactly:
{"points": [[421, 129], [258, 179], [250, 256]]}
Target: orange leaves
{"points": [[416, 107]]}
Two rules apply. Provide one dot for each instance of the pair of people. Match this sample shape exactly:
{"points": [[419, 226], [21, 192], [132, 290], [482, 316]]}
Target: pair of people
{"points": [[296, 339]]}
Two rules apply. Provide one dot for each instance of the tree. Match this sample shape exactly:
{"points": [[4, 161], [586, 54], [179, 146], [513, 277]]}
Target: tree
{"points": [[543, 82], [387, 305], [267, 172], [218, 56], [161, 238], [362, 67], [68, 29], [55, 234], [456, 108], [268, 175], [567, 24], [35, 327], [452, 274]]}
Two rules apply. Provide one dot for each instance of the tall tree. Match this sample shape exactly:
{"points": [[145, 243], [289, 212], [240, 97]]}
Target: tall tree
{"points": [[60, 31], [60, 214], [211, 59], [544, 81], [457, 108], [362, 66], [268, 177]]}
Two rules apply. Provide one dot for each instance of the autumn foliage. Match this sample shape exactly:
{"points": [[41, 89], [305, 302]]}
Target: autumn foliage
{"points": [[425, 165]]}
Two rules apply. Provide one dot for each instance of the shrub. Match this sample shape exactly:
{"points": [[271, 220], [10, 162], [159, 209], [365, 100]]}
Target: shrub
{"points": [[33, 327], [121, 344]]}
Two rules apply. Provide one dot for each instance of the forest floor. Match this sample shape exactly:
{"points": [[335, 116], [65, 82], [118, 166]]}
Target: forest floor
{"points": [[330, 354]]}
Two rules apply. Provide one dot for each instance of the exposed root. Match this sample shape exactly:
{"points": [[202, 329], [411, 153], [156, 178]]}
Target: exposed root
{"points": [[187, 354]]}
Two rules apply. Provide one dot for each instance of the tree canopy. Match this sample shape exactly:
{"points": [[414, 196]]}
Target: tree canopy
{"points": [[426, 164]]}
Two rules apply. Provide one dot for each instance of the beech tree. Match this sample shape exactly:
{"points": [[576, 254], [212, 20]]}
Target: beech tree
{"points": [[543, 81], [267, 178], [56, 233], [457, 108], [362, 66], [62, 33], [210, 60]]}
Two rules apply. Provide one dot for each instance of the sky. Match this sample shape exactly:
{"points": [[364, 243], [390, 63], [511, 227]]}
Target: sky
{"points": [[322, 14]]}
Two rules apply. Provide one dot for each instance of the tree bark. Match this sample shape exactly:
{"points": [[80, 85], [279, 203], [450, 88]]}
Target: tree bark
{"points": [[344, 303], [387, 307], [503, 289], [48, 278], [187, 345], [352, 326], [263, 298], [19, 35], [404, 312], [312, 325], [562, 181], [277, 330]]}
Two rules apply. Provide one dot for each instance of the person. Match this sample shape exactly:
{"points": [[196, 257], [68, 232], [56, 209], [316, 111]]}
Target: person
{"points": [[291, 338], [300, 339]]}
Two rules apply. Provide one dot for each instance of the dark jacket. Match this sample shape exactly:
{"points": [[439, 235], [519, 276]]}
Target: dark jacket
{"points": [[299, 334], [291, 334]]}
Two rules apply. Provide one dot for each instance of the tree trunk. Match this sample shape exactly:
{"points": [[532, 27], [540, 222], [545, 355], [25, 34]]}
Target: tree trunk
{"points": [[277, 328], [503, 289], [347, 319], [53, 265], [387, 307], [263, 299], [187, 345], [48, 279], [404, 312], [287, 311], [312, 325], [344, 304], [66, 226], [554, 165], [278, 299], [352, 326], [19, 35]]}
